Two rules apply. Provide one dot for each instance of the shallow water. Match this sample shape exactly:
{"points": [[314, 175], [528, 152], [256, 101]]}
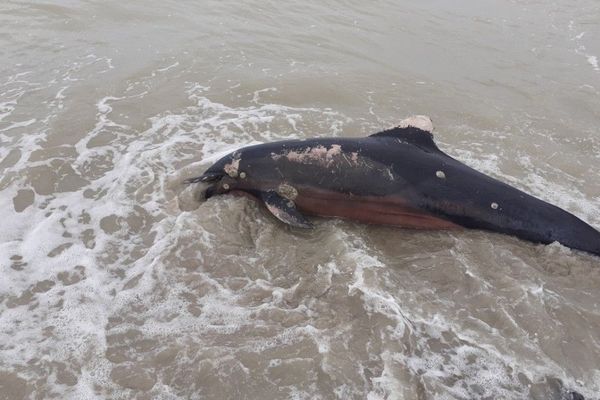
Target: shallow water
{"points": [[116, 285]]}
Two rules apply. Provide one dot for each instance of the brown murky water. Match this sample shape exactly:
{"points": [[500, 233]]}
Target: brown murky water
{"points": [[116, 285]]}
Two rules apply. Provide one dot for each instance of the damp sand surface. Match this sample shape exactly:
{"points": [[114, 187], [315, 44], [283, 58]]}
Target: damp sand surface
{"points": [[116, 284]]}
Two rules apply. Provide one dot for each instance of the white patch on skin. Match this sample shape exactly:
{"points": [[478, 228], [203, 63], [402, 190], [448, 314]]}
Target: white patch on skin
{"points": [[232, 168], [335, 149], [422, 122], [282, 215], [440, 174], [319, 154], [494, 206], [276, 212]]}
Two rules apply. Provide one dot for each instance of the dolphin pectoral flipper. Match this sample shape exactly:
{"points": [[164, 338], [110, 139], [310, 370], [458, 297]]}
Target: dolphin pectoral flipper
{"points": [[284, 210]]}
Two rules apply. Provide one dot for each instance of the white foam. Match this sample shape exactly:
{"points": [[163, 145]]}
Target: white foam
{"points": [[164, 69], [581, 49], [593, 61], [20, 124]]}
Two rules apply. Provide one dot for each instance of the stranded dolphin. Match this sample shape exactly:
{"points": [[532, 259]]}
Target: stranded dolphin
{"points": [[394, 177]]}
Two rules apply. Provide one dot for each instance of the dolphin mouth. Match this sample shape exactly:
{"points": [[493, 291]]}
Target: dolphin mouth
{"points": [[208, 185], [208, 192]]}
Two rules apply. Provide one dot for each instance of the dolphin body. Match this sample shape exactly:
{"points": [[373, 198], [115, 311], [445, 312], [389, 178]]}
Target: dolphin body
{"points": [[394, 177]]}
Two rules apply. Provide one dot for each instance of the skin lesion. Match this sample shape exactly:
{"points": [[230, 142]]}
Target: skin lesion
{"points": [[287, 191], [232, 169], [318, 154], [422, 122]]}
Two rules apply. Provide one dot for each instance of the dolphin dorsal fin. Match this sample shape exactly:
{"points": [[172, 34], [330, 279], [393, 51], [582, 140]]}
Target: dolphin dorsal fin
{"points": [[411, 135]]}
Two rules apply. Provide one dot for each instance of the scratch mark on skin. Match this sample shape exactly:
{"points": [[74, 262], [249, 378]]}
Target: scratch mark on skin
{"points": [[346, 158], [388, 171]]}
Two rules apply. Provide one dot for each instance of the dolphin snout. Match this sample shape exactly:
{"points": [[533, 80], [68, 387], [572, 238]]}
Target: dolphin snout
{"points": [[206, 177]]}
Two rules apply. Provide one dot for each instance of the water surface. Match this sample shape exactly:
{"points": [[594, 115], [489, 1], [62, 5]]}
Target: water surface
{"points": [[115, 285]]}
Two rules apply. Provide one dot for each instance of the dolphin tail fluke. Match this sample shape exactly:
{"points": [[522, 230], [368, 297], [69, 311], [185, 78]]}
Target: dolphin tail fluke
{"points": [[583, 237]]}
